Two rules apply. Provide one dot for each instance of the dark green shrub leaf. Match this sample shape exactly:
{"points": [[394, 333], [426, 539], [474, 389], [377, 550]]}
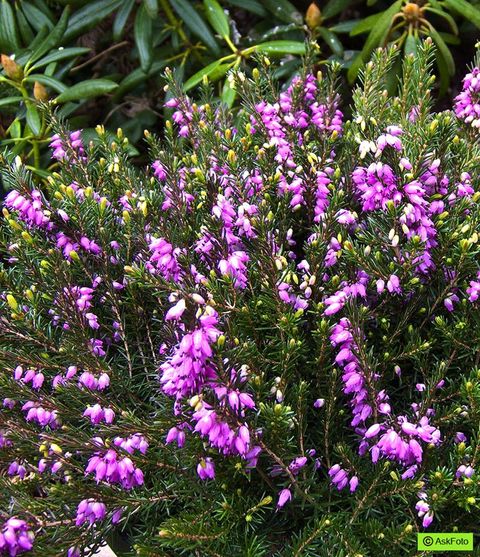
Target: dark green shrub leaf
{"points": [[344, 26], [195, 23], [34, 121], [334, 7], [10, 100], [24, 28], [365, 25], [9, 39], [217, 18], [411, 45], [228, 94], [48, 81], [207, 71], [465, 9], [250, 6], [151, 6], [121, 19], [87, 89], [37, 18], [53, 38], [142, 32], [332, 40], [89, 16], [61, 54], [280, 47], [374, 39], [444, 50], [284, 10]]}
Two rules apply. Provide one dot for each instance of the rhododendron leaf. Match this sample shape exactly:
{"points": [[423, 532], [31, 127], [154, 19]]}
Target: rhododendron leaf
{"points": [[334, 7], [332, 40], [87, 89], [89, 16], [34, 121], [411, 44], [36, 17], [51, 82], [465, 9], [195, 23], [217, 18], [121, 19], [229, 93], [205, 72], [61, 54], [142, 31], [9, 39], [24, 27], [280, 47], [10, 100], [151, 7], [364, 25], [284, 10], [444, 50], [250, 6], [54, 38], [374, 39]]}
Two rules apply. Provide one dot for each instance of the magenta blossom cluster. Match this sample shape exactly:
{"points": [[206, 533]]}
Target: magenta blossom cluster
{"points": [[15, 537], [467, 103], [112, 467]]}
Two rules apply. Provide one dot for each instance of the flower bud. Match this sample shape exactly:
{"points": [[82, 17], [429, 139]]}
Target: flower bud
{"points": [[313, 17], [40, 92], [11, 68]]}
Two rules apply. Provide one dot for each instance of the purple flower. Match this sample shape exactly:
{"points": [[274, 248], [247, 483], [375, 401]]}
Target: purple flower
{"points": [[206, 469], [90, 510], [15, 537], [283, 498]]}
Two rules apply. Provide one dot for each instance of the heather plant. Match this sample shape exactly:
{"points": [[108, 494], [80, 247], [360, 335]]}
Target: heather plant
{"points": [[264, 343]]}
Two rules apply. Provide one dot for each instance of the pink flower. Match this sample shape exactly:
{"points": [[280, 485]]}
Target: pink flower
{"points": [[283, 497]]}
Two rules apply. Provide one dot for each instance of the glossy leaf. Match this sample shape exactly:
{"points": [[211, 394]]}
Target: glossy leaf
{"points": [[48, 81], [89, 16], [365, 25], [374, 39], [24, 27], [54, 38], [37, 18], [466, 10], [284, 10], [331, 40], [445, 15], [216, 66], [229, 94], [34, 121], [411, 45], [9, 38], [10, 100], [281, 47], [137, 77], [195, 23], [142, 31], [344, 26], [335, 7], [217, 18], [250, 6], [61, 54], [121, 19], [151, 7], [87, 89], [444, 51]]}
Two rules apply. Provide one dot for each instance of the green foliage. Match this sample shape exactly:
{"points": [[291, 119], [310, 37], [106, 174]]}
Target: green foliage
{"points": [[285, 353]]}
